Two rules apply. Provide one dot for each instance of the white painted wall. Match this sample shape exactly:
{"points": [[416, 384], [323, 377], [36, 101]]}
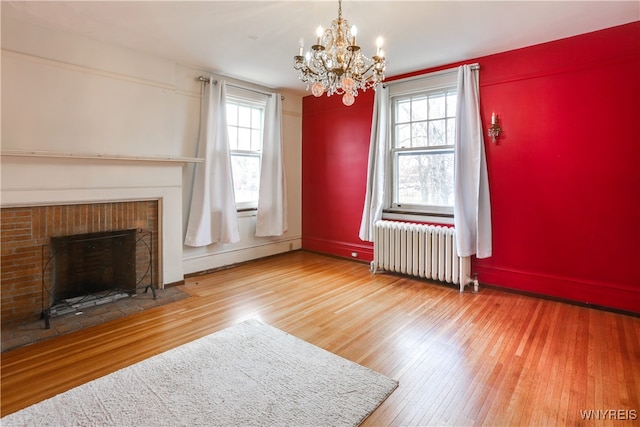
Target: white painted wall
{"points": [[71, 95]]}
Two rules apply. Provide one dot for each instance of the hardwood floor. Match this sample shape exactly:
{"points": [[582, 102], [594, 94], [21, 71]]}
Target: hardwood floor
{"points": [[491, 358]]}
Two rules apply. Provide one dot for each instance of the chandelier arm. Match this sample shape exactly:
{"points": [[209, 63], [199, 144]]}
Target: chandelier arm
{"points": [[324, 64], [363, 74], [372, 65], [350, 62], [312, 72], [308, 70]]}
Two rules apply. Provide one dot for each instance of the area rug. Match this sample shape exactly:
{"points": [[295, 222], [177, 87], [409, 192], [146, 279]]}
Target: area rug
{"points": [[250, 374]]}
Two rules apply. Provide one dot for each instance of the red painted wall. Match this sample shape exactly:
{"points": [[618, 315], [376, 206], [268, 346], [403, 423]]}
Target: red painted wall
{"points": [[564, 178], [335, 151]]}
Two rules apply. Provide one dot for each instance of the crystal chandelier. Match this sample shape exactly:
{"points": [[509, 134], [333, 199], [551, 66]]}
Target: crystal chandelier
{"points": [[336, 65]]}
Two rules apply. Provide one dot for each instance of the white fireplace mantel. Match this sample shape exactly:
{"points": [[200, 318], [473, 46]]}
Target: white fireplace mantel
{"points": [[104, 157], [43, 179]]}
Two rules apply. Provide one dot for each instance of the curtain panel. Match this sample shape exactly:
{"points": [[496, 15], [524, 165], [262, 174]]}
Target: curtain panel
{"points": [[212, 213], [472, 207], [378, 149], [271, 218]]}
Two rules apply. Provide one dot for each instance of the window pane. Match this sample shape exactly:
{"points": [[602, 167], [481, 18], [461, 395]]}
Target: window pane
{"points": [[256, 117], [403, 136], [419, 135], [403, 111], [232, 114], [437, 107], [425, 178], [246, 177], [437, 135], [256, 139], [451, 131], [233, 137], [419, 108], [451, 103], [244, 116], [244, 139]]}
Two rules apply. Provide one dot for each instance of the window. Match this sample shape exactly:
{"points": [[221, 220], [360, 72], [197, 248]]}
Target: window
{"points": [[423, 118], [245, 119]]}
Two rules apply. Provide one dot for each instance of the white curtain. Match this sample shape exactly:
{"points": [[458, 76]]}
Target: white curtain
{"points": [[213, 215], [378, 148], [272, 202], [472, 208]]}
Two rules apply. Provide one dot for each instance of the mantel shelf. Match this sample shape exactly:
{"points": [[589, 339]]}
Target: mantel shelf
{"points": [[111, 157]]}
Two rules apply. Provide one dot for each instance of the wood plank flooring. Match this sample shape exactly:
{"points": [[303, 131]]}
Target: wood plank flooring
{"points": [[491, 358]]}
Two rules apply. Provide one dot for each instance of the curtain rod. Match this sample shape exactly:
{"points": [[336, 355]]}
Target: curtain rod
{"points": [[474, 66], [215, 82]]}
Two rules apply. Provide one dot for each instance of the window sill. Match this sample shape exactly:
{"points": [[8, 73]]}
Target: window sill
{"points": [[445, 219], [247, 212]]}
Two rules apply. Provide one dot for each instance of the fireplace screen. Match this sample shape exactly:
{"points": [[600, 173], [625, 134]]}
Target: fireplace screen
{"points": [[90, 269]]}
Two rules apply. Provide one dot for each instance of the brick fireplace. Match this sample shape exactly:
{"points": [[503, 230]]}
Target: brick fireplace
{"points": [[26, 229], [46, 194]]}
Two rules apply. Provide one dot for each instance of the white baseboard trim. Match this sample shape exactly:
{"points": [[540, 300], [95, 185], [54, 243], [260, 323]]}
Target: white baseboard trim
{"points": [[235, 256]]}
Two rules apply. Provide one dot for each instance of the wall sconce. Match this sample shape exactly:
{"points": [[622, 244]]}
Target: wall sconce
{"points": [[495, 130]]}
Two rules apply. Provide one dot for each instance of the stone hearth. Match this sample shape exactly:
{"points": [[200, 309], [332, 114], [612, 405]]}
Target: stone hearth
{"points": [[29, 332]]}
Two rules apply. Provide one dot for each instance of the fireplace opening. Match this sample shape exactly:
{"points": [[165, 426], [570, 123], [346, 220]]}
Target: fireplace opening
{"points": [[93, 263], [90, 269]]}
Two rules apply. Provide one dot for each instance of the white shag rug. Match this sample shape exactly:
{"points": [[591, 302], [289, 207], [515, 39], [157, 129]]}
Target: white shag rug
{"points": [[249, 374]]}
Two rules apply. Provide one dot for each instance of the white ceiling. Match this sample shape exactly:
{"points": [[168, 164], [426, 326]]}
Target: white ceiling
{"points": [[256, 40]]}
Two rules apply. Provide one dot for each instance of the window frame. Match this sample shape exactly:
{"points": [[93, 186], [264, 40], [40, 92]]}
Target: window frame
{"points": [[253, 100], [431, 83]]}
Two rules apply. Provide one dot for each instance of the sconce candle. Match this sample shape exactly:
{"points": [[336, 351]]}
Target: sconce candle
{"points": [[494, 130]]}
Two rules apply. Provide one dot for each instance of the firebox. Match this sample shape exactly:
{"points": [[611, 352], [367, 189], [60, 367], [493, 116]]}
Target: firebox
{"points": [[94, 268]]}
